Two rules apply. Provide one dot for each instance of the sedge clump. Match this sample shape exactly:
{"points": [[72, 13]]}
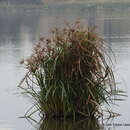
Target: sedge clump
{"points": [[68, 74]]}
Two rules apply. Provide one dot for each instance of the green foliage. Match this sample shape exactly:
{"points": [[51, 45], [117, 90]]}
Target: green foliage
{"points": [[68, 74]]}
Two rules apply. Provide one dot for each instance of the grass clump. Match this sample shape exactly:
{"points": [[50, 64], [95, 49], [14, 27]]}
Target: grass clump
{"points": [[68, 74]]}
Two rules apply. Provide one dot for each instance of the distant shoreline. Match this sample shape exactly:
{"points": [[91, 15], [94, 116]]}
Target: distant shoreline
{"points": [[22, 5], [100, 1], [42, 5]]}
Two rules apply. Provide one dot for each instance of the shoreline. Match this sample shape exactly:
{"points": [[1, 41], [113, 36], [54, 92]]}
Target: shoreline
{"points": [[100, 1], [75, 2]]}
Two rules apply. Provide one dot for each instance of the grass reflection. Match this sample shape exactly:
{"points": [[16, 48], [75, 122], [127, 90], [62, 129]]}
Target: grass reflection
{"points": [[87, 124]]}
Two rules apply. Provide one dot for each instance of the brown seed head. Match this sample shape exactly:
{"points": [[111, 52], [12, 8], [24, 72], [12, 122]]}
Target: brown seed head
{"points": [[22, 61], [42, 39]]}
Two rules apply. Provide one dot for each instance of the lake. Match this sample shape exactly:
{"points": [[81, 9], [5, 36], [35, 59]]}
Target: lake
{"points": [[20, 28]]}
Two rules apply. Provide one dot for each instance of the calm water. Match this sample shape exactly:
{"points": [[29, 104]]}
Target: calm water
{"points": [[20, 29]]}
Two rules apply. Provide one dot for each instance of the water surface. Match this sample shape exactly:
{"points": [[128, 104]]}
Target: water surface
{"points": [[20, 29]]}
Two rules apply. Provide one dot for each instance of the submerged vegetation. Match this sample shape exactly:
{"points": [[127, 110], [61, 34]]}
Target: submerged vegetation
{"points": [[70, 75]]}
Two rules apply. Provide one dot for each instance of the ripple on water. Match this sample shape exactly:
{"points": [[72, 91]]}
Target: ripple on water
{"points": [[4, 125]]}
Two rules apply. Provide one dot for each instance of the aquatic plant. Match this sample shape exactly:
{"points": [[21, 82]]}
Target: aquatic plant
{"points": [[70, 74]]}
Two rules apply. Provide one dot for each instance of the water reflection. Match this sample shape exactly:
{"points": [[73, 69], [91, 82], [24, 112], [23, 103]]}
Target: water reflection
{"points": [[70, 125]]}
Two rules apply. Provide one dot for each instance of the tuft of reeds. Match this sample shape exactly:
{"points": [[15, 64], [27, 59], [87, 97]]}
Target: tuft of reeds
{"points": [[69, 75]]}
